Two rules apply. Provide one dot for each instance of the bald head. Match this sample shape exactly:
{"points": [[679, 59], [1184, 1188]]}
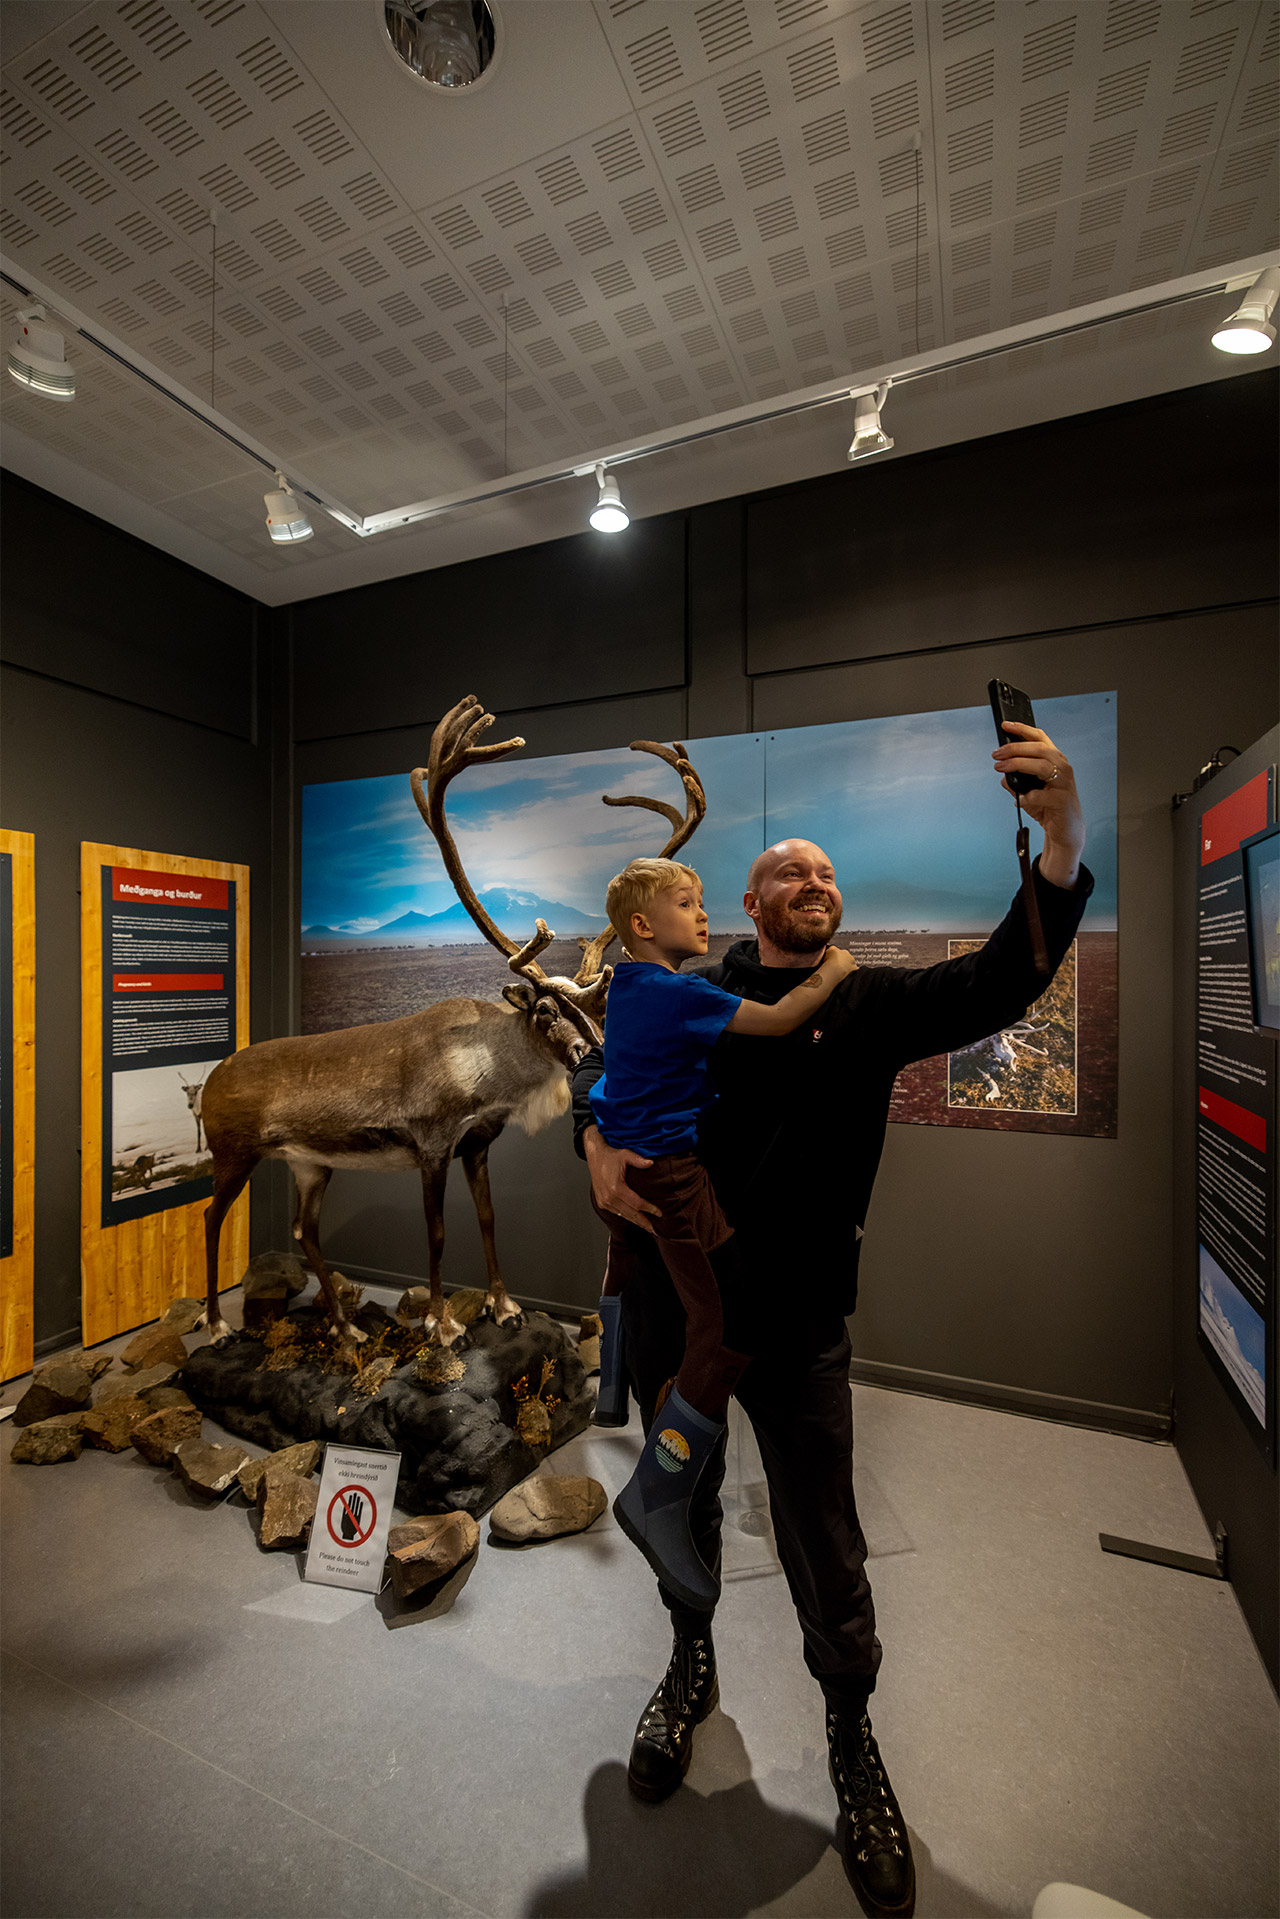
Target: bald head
{"points": [[793, 898], [765, 864]]}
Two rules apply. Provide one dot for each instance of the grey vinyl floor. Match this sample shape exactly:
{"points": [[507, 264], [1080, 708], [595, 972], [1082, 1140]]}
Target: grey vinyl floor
{"points": [[189, 1730]]}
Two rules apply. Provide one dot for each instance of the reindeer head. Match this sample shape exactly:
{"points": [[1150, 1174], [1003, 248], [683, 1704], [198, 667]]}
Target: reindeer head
{"points": [[566, 1012], [561, 1038]]}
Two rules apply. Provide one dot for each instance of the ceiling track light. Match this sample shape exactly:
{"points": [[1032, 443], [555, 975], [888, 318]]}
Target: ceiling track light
{"points": [[37, 357], [1250, 328], [610, 516], [286, 521], [868, 435]]}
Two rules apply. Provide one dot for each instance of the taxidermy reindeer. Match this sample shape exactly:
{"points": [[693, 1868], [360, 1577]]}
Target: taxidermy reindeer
{"points": [[194, 1090], [422, 1091]]}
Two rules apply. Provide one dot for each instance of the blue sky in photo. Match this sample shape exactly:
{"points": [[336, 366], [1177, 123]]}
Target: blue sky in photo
{"points": [[537, 826], [913, 818], [908, 809]]}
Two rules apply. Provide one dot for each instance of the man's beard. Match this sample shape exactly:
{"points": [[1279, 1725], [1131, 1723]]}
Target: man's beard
{"points": [[791, 934]]}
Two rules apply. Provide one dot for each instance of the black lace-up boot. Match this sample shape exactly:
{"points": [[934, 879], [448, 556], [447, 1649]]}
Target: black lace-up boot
{"points": [[664, 1738], [877, 1851]]}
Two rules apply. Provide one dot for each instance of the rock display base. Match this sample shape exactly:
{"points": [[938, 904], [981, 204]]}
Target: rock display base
{"points": [[457, 1429]]}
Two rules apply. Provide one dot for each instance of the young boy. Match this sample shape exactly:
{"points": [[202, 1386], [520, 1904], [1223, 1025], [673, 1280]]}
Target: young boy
{"points": [[659, 1030]]}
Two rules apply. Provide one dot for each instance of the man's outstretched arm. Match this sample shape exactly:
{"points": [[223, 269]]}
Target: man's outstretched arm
{"points": [[936, 1009]]}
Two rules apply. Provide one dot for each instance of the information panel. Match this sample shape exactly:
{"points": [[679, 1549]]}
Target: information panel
{"points": [[17, 1099], [169, 1016], [1235, 1147], [166, 976]]}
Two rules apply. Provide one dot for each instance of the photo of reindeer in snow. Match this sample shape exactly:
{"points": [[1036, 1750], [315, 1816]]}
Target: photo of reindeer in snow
{"points": [[435, 1086], [1029, 1067], [153, 1110]]}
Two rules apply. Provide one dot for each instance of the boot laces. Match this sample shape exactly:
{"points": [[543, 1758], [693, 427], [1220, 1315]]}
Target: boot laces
{"points": [[866, 1798], [666, 1717]]}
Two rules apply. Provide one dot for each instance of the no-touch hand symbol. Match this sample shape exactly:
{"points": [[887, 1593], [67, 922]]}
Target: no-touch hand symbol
{"points": [[351, 1517]]}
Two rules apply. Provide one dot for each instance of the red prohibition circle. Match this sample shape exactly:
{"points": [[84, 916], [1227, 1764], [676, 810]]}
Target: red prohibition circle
{"points": [[339, 1498]]}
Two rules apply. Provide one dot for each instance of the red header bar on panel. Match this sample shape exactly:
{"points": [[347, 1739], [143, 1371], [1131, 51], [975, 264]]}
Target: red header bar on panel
{"points": [[1250, 1127], [1224, 826], [166, 889], [166, 982]]}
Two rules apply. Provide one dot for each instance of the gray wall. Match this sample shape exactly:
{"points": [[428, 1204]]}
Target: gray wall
{"points": [[132, 687], [1232, 1480], [1093, 553]]}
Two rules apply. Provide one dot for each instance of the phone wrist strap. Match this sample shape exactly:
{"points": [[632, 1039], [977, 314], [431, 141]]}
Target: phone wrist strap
{"points": [[1031, 905]]}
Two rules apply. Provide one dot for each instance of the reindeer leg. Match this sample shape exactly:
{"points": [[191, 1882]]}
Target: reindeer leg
{"points": [[439, 1327], [474, 1154], [228, 1183], [312, 1180]]}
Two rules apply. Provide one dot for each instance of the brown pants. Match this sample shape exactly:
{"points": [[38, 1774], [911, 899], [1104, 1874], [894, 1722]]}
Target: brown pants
{"points": [[689, 1228]]}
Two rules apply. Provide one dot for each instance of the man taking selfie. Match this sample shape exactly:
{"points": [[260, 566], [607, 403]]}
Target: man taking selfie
{"points": [[792, 1146]]}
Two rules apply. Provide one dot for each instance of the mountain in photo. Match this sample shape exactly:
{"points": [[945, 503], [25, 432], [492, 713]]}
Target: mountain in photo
{"points": [[514, 912]]}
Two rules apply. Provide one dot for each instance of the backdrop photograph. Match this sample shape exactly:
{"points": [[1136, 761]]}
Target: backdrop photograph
{"points": [[908, 808]]}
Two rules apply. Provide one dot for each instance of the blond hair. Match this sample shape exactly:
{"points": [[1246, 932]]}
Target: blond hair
{"points": [[631, 891]]}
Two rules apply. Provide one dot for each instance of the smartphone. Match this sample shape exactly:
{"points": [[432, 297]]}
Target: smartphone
{"points": [[1010, 703]]}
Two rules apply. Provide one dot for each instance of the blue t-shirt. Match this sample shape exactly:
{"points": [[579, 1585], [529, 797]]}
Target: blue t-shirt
{"points": [[659, 1028]]}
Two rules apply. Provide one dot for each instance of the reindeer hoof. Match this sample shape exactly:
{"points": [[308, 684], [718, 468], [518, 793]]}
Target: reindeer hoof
{"points": [[444, 1332], [349, 1335], [219, 1331]]}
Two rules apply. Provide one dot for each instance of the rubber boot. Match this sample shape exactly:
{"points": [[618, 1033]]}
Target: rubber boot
{"points": [[614, 1388], [653, 1507]]}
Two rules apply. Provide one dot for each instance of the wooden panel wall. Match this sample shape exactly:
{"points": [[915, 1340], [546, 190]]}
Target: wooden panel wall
{"points": [[17, 1272], [130, 1272]]}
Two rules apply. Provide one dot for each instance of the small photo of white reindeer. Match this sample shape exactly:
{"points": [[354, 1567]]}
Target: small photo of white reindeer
{"points": [[157, 1132], [1028, 1067]]}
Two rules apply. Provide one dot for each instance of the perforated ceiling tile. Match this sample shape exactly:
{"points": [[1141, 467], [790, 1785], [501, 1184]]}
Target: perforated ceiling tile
{"points": [[761, 219]]}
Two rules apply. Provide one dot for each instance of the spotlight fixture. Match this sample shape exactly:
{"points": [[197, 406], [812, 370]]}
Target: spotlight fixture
{"points": [[286, 520], [610, 516], [1250, 328], [868, 435], [38, 359]]}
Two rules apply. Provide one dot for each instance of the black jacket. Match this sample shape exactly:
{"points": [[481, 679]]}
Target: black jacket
{"points": [[795, 1138]]}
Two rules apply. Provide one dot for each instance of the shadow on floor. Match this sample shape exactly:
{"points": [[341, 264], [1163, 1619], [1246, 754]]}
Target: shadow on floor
{"points": [[723, 1855]]}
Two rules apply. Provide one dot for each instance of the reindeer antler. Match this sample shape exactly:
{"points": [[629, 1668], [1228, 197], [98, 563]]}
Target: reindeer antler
{"points": [[454, 747], [682, 829]]}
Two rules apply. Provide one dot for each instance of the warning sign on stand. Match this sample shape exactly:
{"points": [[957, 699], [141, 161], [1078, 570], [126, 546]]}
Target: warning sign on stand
{"points": [[353, 1517]]}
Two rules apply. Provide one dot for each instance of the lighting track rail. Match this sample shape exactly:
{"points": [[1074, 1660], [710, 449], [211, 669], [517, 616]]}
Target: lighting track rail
{"points": [[1152, 299]]}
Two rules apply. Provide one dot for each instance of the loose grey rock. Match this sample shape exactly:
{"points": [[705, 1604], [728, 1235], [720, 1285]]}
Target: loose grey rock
{"points": [[184, 1314], [424, 1550], [271, 1280], [208, 1469], [546, 1506], [301, 1459], [95, 1364], [139, 1383], [413, 1305], [111, 1427], [287, 1504], [269, 1273], [159, 1435], [467, 1304], [589, 1333], [48, 1441], [157, 1397], [153, 1346], [57, 1388]]}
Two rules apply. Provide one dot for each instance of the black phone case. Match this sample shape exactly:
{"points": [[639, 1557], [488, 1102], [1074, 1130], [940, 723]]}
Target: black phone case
{"points": [[1011, 703]]}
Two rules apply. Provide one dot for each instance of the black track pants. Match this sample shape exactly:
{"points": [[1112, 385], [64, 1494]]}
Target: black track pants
{"points": [[800, 1410]]}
